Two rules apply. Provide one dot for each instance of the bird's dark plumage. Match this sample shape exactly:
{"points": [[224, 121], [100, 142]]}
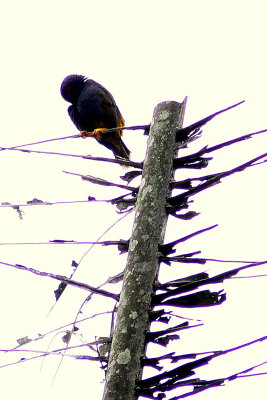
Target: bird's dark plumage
{"points": [[92, 108]]}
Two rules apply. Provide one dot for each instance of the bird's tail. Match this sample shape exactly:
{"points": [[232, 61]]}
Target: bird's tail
{"points": [[120, 149], [114, 143]]}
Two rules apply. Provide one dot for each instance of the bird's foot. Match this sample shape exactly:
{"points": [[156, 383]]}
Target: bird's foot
{"points": [[97, 133], [85, 134]]}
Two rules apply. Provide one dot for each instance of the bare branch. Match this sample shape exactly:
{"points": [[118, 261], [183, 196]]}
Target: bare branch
{"points": [[102, 182], [43, 335], [179, 202], [183, 133], [61, 242], [233, 141], [110, 160], [56, 352], [177, 377], [89, 134], [37, 202], [64, 279], [186, 285], [168, 247]]}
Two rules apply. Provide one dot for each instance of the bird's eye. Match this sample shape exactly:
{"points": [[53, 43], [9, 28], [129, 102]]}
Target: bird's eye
{"points": [[66, 92]]}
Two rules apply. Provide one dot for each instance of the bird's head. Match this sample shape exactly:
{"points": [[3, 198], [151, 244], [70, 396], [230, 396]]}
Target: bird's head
{"points": [[71, 87]]}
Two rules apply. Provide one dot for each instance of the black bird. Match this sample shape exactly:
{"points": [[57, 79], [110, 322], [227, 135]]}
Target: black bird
{"points": [[93, 109]]}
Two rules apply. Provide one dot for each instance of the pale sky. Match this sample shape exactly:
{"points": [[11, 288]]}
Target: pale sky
{"points": [[144, 52]]}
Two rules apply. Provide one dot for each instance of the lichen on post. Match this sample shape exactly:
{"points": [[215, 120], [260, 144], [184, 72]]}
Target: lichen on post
{"points": [[128, 341]]}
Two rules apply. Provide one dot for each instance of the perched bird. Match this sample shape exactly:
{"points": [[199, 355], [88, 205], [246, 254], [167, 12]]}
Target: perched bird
{"points": [[93, 109]]}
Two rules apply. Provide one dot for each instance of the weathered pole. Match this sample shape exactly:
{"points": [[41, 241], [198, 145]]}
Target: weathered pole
{"points": [[128, 341]]}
